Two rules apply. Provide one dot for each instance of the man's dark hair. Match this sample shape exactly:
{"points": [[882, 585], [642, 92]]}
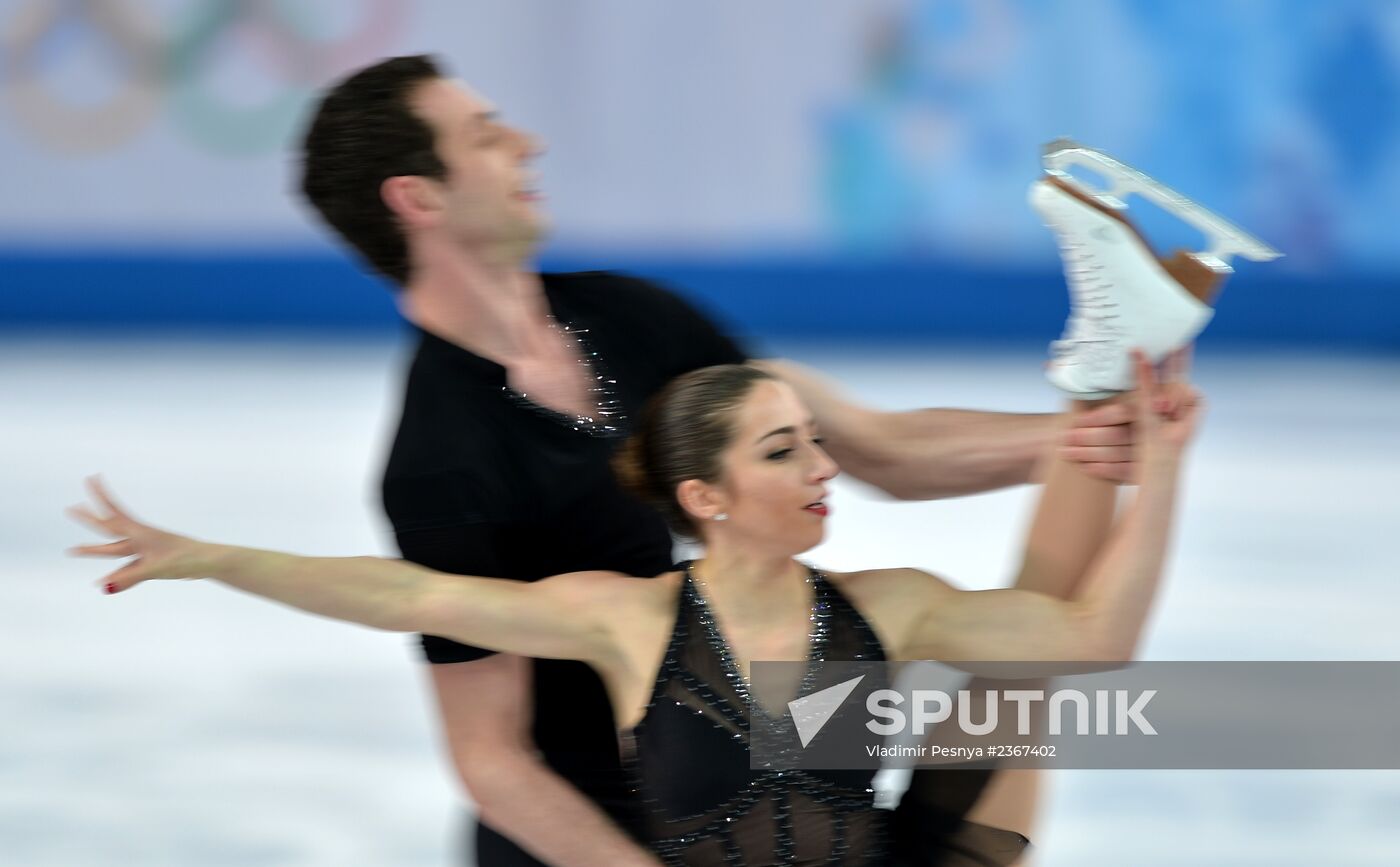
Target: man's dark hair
{"points": [[364, 133]]}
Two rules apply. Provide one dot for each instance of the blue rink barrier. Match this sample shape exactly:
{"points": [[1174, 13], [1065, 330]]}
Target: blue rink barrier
{"points": [[860, 299]]}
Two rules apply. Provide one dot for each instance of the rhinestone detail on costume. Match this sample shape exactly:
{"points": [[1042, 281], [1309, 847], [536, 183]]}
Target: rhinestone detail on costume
{"points": [[610, 417], [820, 618], [756, 824]]}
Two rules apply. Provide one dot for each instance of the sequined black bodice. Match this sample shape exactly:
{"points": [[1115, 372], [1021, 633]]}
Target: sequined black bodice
{"points": [[690, 754]]}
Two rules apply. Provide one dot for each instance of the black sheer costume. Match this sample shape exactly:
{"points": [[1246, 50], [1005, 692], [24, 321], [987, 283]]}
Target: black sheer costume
{"points": [[690, 754], [928, 828], [705, 806]]}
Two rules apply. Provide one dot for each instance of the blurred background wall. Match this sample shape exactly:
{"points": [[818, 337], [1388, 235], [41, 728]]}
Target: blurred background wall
{"points": [[854, 166]]}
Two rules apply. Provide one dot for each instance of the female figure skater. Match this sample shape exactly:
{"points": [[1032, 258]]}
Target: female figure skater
{"points": [[730, 455]]}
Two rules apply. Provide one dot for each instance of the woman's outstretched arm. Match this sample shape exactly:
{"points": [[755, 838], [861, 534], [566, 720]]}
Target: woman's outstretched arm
{"points": [[1103, 616], [556, 617]]}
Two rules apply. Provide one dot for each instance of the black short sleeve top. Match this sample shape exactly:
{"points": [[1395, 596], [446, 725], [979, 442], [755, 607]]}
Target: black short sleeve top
{"points": [[478, 482]]}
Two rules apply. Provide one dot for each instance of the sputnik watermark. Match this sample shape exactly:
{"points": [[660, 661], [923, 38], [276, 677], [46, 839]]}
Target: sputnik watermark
{"points": [[1150, 715], [933, 706], [1113, 711]]}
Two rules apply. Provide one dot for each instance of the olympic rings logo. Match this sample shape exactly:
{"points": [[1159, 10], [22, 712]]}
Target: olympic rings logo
{"points": [[278, 34]]}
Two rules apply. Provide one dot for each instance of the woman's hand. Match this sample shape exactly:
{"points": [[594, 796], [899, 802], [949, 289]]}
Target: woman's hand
{"points": [[1167, 408], [158, 554]]}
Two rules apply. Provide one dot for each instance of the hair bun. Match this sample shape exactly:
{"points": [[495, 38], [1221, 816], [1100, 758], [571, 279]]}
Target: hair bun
{"points": [[629, 466]]}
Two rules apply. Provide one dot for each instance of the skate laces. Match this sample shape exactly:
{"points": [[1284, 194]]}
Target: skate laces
{"points": [[1092, 333]]}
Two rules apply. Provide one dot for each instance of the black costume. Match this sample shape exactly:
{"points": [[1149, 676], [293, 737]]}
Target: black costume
{"points": [[690, 753], [480, 481], [705, 805]]}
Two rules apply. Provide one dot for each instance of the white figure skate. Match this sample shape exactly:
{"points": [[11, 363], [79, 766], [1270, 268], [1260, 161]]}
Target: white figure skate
{"points": [[1122, 296]]}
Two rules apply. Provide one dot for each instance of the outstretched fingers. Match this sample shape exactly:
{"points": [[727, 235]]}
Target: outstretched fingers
{"points": [[83, 515], [119, 548], [126, 577], [115, 522], [98, 489]]}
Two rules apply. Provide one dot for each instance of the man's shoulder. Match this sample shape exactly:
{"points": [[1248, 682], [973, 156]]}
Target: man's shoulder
{"points": [[440, 459], [640, 305], [600, 277], [614, 288], [439, 419]]}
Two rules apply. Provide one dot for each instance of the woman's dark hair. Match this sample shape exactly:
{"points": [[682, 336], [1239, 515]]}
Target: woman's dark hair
{"points": [[681, 434], [364, 133]]}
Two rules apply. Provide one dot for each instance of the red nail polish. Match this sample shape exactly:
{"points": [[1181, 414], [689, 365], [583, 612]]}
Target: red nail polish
{"points": [[110, 588]]}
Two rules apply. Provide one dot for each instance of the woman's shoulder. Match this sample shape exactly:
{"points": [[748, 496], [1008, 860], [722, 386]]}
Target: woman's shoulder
{"points": [[615, 588], [893, 601], [880, 583]]}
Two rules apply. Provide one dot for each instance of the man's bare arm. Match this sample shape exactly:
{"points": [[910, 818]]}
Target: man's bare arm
{"points": [[485, 710], [927, 454]]}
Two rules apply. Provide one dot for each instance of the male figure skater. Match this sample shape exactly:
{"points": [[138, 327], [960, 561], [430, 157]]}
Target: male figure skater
{"points": [[521, 385]]}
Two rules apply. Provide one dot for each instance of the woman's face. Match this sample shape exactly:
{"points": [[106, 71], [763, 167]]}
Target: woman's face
{"points": [[774, 472]]}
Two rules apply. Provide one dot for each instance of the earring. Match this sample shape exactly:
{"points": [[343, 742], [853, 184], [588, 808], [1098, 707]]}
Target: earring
{"points": [[720, 517]]}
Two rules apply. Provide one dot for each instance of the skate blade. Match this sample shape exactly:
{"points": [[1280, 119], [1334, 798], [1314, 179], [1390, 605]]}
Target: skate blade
{"points": [[1224, 238]]}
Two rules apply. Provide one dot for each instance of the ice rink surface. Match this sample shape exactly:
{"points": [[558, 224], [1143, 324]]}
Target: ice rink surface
{"points": [[189, 725]]}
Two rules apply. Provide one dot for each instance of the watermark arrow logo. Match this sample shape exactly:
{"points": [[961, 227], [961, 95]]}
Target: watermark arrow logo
{"points": [[811, 712]]}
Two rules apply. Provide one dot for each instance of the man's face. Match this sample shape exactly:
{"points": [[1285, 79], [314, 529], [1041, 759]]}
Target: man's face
{"points": [[489, 192]]}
